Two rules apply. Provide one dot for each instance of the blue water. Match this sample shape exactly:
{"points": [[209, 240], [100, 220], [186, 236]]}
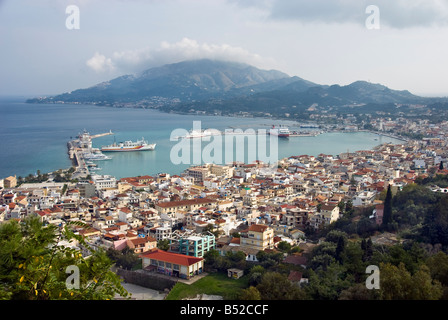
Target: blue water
{"points": [[34, 137]]}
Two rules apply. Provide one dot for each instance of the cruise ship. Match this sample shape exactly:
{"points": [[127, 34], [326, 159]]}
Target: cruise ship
{"points": [[139, 145], [281, 132]]}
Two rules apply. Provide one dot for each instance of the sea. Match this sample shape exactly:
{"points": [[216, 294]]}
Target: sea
{"points": [[33, 137]]}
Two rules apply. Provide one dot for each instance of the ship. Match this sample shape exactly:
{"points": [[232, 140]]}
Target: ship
{"points": [[281, 132], [126, 146], [95, 156]]}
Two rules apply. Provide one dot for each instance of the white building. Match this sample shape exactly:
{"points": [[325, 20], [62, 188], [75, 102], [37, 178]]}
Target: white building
{"points": [[104, 181]]}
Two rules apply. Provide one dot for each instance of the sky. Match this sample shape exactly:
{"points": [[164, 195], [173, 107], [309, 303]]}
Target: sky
{"points": [[49, 47]]}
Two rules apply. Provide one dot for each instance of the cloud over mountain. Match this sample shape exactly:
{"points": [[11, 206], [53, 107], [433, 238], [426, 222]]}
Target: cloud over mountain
{"points": [[187, 49]]}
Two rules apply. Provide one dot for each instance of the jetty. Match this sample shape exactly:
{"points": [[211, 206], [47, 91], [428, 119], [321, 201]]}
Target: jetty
{"points": [[78, 148]]}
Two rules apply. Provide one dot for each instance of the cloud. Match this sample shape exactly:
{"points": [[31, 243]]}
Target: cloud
{"points": [[186, 49], [397, 14], [99, 63]]}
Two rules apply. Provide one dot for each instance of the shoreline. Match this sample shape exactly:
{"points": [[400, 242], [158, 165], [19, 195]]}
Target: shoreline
{"points": [[321, 128]]}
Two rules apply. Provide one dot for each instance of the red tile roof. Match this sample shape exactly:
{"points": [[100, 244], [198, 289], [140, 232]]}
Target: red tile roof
{"points": [[171, 257]]}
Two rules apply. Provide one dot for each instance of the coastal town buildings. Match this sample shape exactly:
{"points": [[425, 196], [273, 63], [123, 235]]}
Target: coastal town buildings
{"points": [[234, 207]]}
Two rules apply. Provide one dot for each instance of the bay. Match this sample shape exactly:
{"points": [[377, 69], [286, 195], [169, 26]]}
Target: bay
{"points": [[34, 137]]}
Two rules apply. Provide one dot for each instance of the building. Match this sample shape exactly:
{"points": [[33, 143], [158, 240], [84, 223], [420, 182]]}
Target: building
{"points": [[163, 233], [185, 205], [364, 198], [141, 245], [10, 182], [222, 170], [378, 213], [191, 244], [172, 264], [330, 213], [104, 181], [86, 189], [198, 173], [257, 236]]}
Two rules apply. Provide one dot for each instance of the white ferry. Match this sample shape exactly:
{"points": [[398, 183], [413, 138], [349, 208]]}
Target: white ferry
{"points": [[140, 145], [192, 134], [281, 132]]}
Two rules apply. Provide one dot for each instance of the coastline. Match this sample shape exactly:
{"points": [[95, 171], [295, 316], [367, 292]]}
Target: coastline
{"points": [[74, 161]]}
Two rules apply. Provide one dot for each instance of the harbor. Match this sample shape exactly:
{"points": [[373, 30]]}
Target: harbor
{"points": [[82, 154], [280, 131]]}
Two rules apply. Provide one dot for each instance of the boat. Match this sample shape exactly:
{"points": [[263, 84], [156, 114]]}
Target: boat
{"points": [[96, 156], [201, 133], [281, 132], [126, 146]]}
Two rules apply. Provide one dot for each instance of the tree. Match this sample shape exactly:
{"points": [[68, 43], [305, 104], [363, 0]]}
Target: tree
{"points": [[163, 244], [357, 292], [435, 226], [125, 258], [284, 246], [340, 248], [349, 208], [276, 286], [341, 205], [397, 283], [387, 213], [250, 293], [438, 266], [33, 264], [256, 274], [368, 250], [328, 284]]}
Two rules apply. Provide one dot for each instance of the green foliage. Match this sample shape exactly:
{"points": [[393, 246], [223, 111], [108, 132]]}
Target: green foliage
{"points": [[440, 180], [435, 226], [126, 258], [328, 284], [284, 246], [213, 284], [276, 286], [397, 283], [163, 244], [250, 293], [387, 215], [256, 274], [358, 292], [412, 203], [33, 265], [231, 260]]}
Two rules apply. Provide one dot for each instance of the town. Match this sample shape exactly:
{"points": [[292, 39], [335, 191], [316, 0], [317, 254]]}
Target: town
{"points": [[238, 207]]}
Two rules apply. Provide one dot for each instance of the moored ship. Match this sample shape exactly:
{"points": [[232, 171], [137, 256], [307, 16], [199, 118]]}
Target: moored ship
{"points": [[281, 132], [139, 145]]}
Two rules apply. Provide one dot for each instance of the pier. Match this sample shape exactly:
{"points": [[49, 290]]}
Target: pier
{"points": [[77, 148]]}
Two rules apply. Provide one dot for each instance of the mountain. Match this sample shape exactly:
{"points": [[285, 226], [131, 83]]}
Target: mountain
{"points": [[186, 81], [228, 87]]}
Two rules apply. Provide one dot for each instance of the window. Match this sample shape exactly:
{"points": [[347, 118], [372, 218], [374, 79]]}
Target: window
{"points": [[175, 267], [168, 265], [153, 262]]}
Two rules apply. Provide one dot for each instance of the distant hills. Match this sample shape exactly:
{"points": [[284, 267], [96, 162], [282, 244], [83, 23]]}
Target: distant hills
{"points": [[228, 87]]}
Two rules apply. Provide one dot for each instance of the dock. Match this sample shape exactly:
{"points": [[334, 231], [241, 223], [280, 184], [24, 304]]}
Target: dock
{"points": [[80, 146], [101, 135]]}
